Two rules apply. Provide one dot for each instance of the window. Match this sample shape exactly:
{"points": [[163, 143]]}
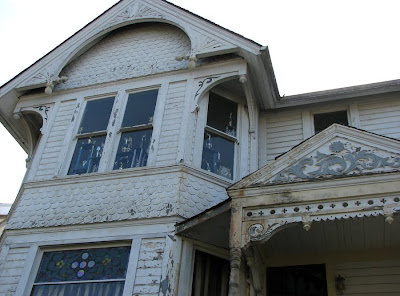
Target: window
{"points": [[91, 136], [220, 136], [89, 272], [211, 275], [305, 280], [136, 130], [324, 120]]}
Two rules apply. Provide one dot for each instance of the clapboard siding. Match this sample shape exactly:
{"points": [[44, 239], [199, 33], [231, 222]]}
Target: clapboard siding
{"points": [[149, 268], [11, 270], [48, 162], [381, 117], [171, 125], [283, 131], [371, 278]]}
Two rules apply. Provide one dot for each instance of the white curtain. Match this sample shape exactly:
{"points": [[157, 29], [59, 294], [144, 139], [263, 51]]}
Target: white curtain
{"points": [[83, 289]]}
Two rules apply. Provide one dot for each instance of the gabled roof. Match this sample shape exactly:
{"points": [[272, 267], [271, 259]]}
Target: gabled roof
{"points": [[206, 40], [338, 151]]}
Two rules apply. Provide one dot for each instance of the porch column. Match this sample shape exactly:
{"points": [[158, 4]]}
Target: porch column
{"points": [[235, 248]]}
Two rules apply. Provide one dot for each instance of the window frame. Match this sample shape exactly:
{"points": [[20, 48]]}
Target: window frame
{"points": [[331, 110], [114, 130], [202, 127], [76, 136], [119, 130], [77, 246]]}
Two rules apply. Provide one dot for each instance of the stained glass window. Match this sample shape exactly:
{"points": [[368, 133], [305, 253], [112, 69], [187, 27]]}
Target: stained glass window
{"points": [[98, 271], [136, 130], [220, 137]]}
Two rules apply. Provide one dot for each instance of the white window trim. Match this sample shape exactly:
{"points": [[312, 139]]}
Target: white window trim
{"points": [[155, 126], [76, 136], [240, 164], [189, 248], [113, 132], [308, 117], [36, 252]]}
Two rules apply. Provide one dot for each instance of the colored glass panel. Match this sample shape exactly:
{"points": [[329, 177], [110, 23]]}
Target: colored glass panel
{"points": [[83, 265]]}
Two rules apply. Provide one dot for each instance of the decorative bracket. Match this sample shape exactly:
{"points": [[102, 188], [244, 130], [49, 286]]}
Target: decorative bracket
{"points": [[43, 110]]}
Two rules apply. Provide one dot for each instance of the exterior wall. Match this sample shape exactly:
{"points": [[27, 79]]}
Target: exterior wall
{"points": [[47, 167], [282, 131], [171, 124], [116, 196], [371, 277], [132, 51], [12, 263], [381, 117]]}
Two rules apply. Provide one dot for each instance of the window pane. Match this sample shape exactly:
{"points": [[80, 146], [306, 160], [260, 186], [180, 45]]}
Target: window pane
{"points": [[86, 289], [82, 265], [133, 149], [218, 155], [222, 114], [140, 108], [87, 155], [324, 120], [96, 115]]}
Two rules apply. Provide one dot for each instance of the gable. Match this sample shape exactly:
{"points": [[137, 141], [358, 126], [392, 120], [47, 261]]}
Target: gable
{"points": [[338, 151], [205, 39], [131, 51]]}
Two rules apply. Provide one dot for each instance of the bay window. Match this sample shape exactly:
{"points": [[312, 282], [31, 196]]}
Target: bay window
{"points": [[135, 133]]}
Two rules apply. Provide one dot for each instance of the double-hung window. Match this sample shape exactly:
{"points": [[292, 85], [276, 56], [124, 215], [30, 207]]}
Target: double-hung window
{"points": [[91, 136], [220, 136], [136, 130], [86, 272]]}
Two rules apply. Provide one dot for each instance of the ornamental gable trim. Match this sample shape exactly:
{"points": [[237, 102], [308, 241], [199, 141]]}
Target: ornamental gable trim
{"points": [[205, 38], [338, 151]]}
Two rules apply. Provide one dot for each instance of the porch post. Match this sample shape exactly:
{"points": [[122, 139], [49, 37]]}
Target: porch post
{"points": [[235, 248]]}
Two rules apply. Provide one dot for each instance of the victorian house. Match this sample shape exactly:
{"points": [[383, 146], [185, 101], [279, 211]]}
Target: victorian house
{"points": [[163, 161]]}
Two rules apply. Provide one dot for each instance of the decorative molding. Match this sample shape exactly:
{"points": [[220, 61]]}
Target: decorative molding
{"points": [[135, 12], [269, 220], [204, 44], [206, 81], [342, 161]]}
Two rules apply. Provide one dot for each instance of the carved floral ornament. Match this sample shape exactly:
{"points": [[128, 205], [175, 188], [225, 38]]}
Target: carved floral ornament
{"points": [[344, 159], [269, 220]]}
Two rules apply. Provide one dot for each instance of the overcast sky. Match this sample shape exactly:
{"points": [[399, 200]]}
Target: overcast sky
{"points": [[314, 45]]}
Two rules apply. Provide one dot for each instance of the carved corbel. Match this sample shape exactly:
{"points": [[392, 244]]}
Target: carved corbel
{"points": [[43, 110]]}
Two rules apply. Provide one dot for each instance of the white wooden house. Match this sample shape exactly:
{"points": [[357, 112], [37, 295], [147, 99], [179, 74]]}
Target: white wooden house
{"points": [[162, 161]]}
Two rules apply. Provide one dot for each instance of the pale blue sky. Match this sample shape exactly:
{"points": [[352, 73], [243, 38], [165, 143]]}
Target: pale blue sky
{"points": [[314, 44]]}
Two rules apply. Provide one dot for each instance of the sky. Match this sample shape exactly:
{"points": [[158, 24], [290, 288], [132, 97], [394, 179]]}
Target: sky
{"points": [[314, 45]]}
